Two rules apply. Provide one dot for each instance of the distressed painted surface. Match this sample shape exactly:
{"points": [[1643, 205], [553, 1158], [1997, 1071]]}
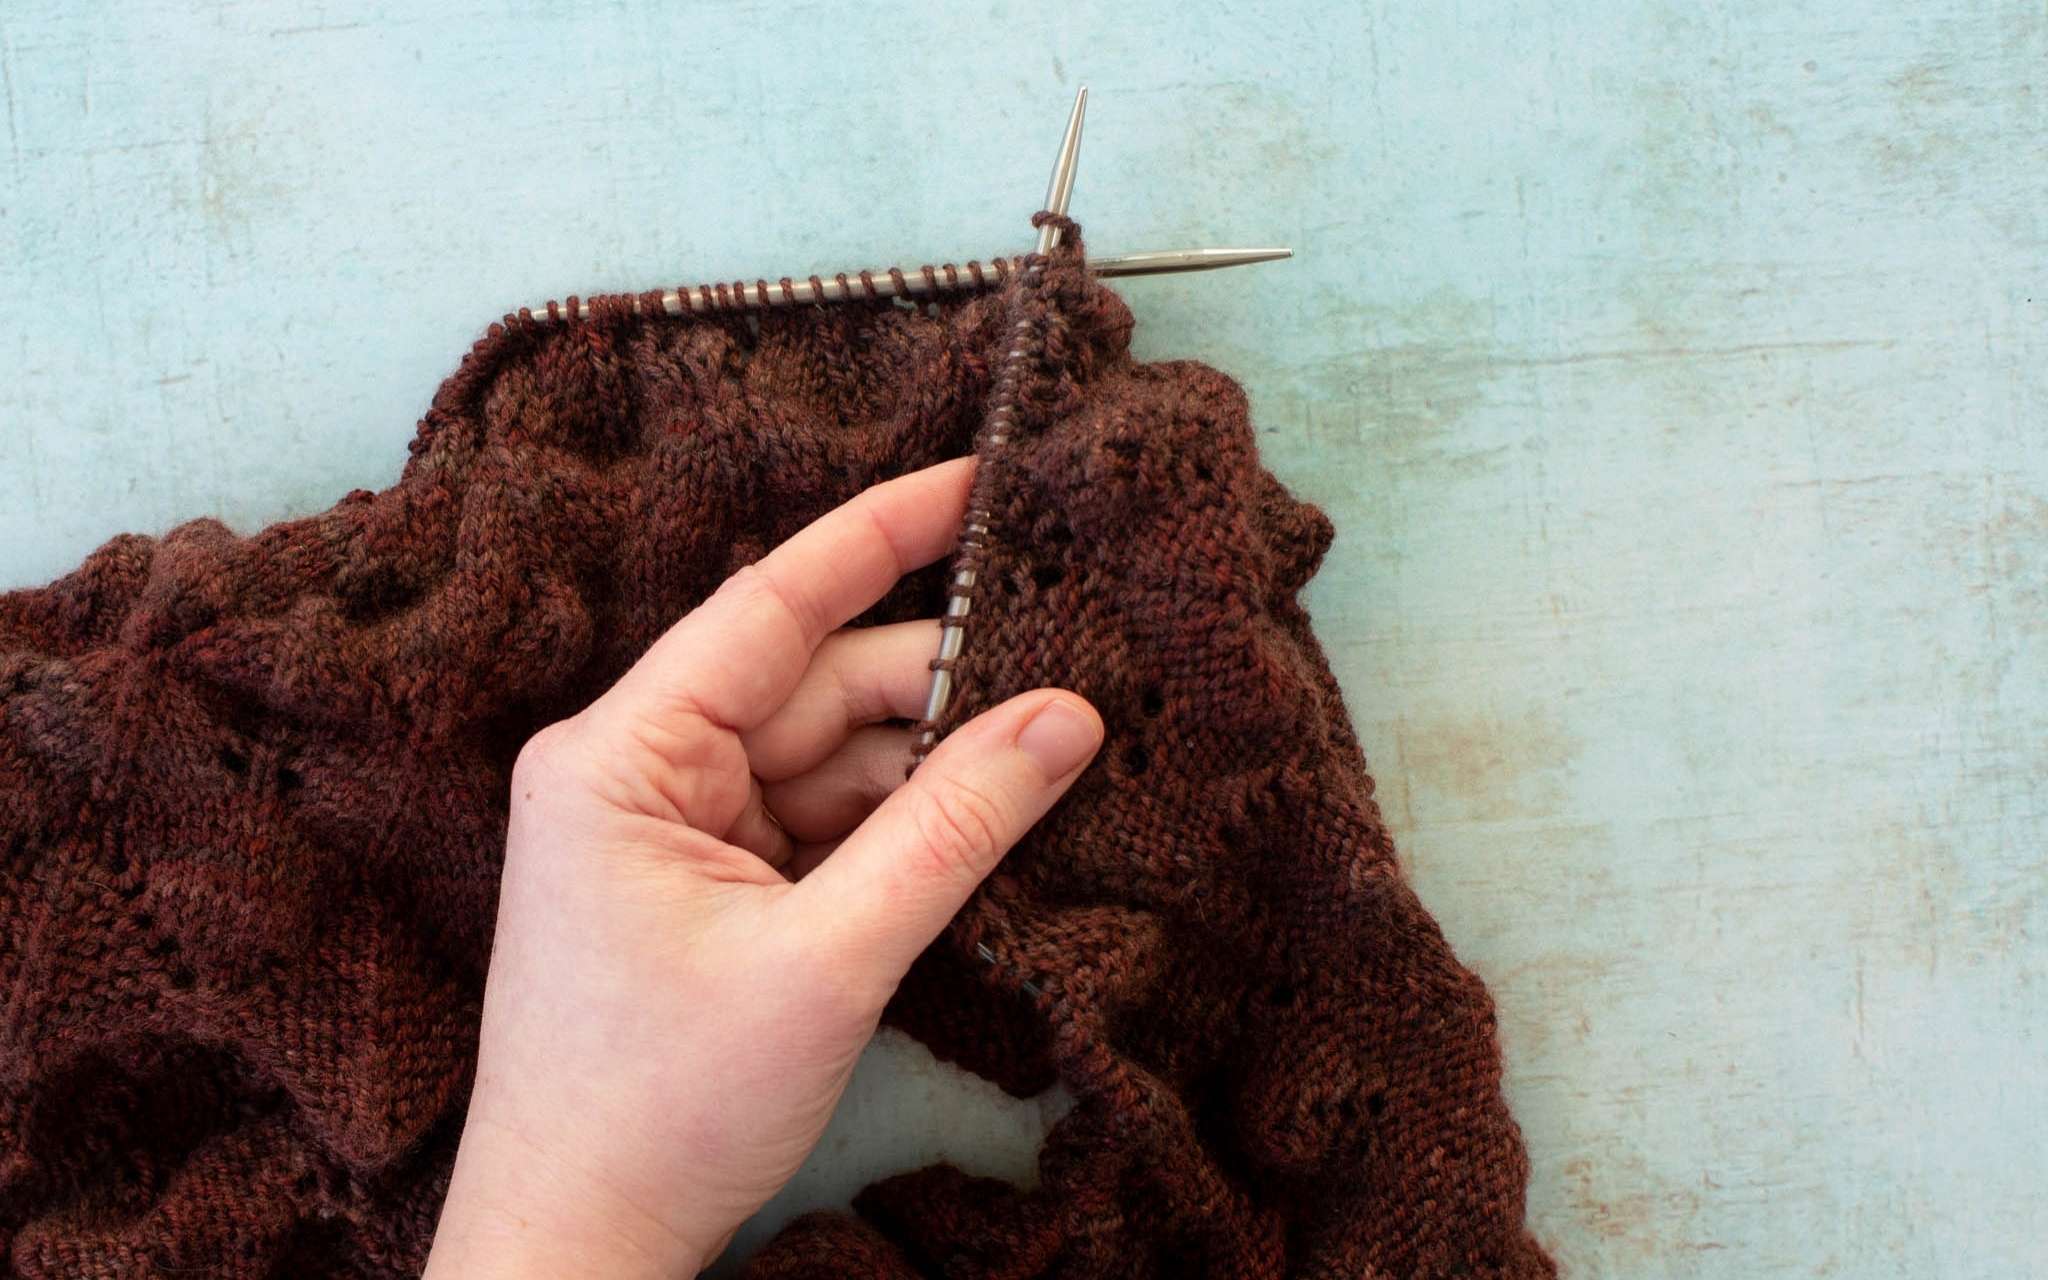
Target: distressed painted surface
{"points": [[1674, 374]]}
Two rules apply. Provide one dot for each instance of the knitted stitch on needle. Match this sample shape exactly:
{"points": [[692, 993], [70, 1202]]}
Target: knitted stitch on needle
{"points": [[253, 798]]}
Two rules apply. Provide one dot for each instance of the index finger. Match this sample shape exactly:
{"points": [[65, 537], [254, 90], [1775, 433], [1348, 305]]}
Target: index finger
{"points": [[735, 658]]}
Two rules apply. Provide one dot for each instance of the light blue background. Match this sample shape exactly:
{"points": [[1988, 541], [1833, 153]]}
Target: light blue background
{"points": [[1674, 374]]}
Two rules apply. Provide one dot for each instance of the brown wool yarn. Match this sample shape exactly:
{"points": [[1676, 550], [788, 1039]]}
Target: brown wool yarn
{"points": [[253, 796]]}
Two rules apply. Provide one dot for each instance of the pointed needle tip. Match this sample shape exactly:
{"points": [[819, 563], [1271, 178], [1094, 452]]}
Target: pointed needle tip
{"points": [[1061, 189], [1059, 192], [1169, 261]]}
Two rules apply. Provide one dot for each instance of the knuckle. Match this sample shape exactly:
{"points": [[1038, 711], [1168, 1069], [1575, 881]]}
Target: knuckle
{"points": [[960, 828], [752, 586], [749, 579], [551, 759], [542, 751]]}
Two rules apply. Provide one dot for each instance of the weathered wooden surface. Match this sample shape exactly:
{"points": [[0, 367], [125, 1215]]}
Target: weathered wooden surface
{"points": [[1673, 372]]}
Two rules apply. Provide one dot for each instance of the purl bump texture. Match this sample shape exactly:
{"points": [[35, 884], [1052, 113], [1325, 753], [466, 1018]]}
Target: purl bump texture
{"points": [[253, 793]]}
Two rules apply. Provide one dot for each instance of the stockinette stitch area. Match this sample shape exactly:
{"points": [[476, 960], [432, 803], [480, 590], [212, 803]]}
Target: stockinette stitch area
{"points": [[253, 799]]}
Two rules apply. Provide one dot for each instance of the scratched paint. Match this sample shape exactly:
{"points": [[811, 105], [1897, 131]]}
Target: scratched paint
{"points": [[1674, 374]]}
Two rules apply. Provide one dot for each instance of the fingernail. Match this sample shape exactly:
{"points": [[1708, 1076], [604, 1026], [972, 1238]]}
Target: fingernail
{"points": [[1060, 737]]}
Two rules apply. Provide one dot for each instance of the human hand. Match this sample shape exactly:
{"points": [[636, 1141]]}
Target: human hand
{"points": [[681, 982]]}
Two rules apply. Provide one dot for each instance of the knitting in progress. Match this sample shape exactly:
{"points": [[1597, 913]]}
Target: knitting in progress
{"points": [[253, 794]]}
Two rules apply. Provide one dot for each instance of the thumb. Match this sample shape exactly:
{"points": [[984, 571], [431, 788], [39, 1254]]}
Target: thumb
{"points": [[891, 886]]}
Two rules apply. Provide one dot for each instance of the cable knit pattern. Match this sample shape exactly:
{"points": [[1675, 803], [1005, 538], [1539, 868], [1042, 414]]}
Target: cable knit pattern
{"points": [[253, 796]]}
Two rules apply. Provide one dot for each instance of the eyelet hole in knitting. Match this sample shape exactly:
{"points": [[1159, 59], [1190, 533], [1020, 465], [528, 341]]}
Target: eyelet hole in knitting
{"points": [[1151, 701], [233, 761], [1376, 1105], [183, 978], [1136, 759], [288, 779], [1048, 576], [375, 592]]}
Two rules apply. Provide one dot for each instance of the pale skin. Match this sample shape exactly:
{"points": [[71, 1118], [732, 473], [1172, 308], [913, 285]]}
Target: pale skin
{"points": [[715, 877]]}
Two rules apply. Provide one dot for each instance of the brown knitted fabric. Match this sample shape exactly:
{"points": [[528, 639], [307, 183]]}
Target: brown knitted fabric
{"points": [[253, 790]]}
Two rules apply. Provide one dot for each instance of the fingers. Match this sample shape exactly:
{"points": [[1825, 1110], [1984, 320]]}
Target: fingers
{"points": [[893, 884], [735, 658], [838, 795], [759, 832], [858, 676]]}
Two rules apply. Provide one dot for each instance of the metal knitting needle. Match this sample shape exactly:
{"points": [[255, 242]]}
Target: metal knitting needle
{"points": [[924, 282], [1061, 189], [951, 637], [1159, 262], [920, 282]]}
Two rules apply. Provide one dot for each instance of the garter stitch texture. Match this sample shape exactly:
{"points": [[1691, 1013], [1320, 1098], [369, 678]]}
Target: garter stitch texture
{"points": [[253, 794]]}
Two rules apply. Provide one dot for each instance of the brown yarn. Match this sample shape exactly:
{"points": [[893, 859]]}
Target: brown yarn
{"points": [[252, 805]]}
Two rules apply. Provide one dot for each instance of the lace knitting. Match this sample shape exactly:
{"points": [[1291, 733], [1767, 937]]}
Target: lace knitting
{"points": [[253, 798]]}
